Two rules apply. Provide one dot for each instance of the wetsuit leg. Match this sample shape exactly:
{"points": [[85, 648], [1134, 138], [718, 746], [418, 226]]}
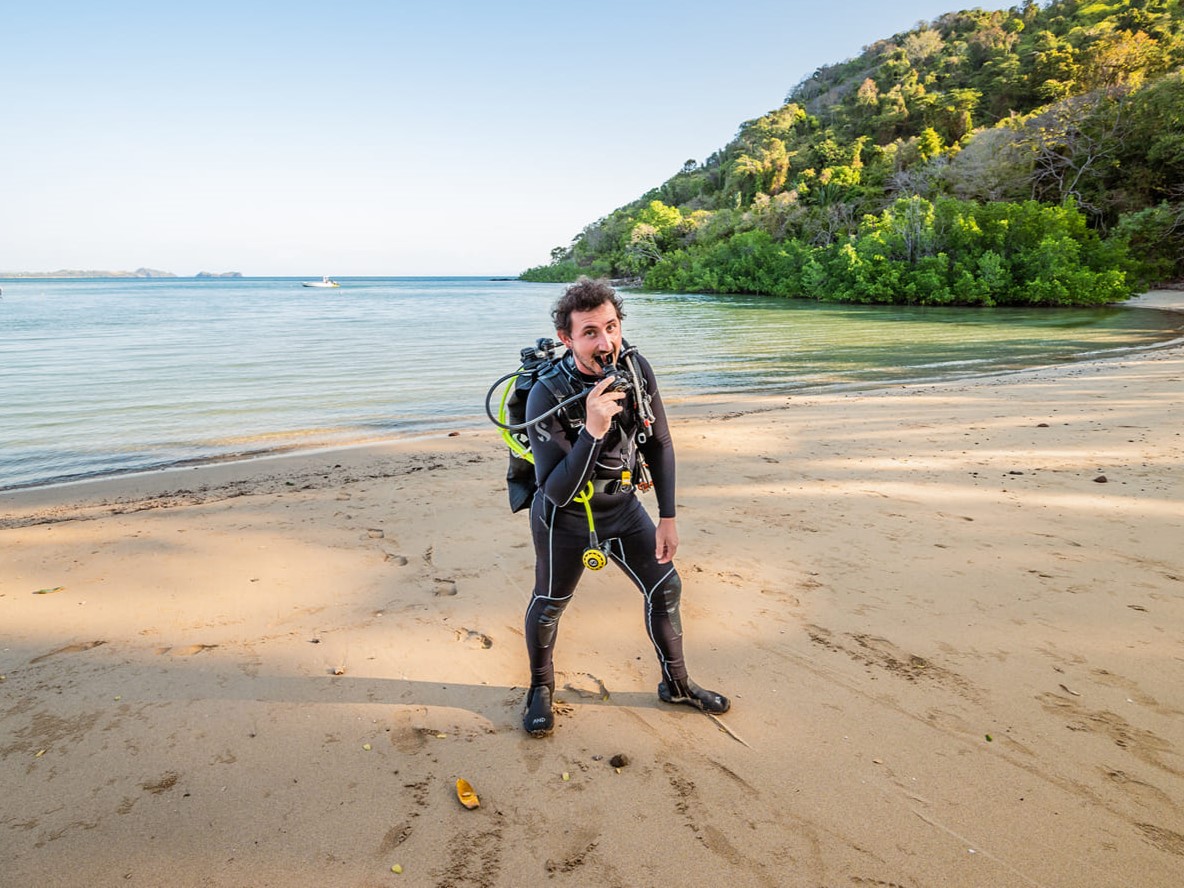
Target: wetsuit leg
{"points": [[559, 543], [632, 548]]}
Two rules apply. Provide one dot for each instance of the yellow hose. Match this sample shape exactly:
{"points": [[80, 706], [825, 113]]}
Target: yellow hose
{"points": [[513, 443], [585, 497]]}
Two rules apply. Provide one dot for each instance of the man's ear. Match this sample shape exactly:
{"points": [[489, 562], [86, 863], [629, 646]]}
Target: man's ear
{"points": [[564, 338]]}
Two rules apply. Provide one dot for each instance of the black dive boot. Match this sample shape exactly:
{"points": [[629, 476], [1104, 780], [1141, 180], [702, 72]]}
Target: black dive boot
{"points": [[538, 719], [686, 691]]}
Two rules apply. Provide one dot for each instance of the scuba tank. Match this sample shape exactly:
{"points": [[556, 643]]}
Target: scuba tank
{"points": [[538, 363]]}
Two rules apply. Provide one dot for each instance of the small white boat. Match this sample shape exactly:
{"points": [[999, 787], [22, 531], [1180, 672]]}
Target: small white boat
{"points": [[325, 281]]}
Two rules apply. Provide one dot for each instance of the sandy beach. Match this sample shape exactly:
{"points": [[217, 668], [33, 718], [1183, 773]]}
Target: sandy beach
{"points": [[950, 617]]}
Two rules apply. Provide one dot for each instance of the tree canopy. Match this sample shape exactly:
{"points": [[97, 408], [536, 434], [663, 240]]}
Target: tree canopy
{"points": [[1033, 155]]}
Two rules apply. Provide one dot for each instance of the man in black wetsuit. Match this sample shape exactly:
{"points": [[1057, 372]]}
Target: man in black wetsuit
{"points": [[598, 440]]}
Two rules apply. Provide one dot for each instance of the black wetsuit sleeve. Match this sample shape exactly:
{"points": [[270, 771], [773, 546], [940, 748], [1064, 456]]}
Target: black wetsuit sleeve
{"points": [[659, 448], [561, 468]]}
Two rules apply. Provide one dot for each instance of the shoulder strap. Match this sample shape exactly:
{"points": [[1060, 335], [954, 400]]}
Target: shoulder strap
{"points": [[559, 383], [556, 381]]}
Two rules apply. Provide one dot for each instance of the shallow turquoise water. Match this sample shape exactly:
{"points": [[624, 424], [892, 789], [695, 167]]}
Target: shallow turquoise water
{"points": [[106, 376]]}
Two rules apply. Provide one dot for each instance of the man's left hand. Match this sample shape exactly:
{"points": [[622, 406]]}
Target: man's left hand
{"points": [[667, 540]]}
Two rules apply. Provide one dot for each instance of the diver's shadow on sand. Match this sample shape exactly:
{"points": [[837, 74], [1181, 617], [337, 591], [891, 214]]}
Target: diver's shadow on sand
{"points": [[493, 702]]}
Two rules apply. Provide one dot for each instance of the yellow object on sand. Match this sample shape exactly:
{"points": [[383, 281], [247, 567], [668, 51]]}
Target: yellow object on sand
{"points": [[465, 793]]}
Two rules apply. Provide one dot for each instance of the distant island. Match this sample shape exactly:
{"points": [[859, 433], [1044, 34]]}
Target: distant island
{"points": [[138, 273], [74, 273]]}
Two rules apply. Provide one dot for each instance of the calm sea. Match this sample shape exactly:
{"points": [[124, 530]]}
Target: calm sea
{"points": [[105, 376]]}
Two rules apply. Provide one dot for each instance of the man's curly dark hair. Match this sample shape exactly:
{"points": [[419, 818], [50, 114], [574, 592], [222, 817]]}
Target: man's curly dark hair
{"points": [[585, 294]]}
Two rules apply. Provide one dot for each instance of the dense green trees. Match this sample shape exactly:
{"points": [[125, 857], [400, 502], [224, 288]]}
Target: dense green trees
{"points": [[1033, 155], [947, 252]]}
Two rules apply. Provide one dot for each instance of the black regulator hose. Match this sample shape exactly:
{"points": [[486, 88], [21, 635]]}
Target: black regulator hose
{"points": [[518, 427]]}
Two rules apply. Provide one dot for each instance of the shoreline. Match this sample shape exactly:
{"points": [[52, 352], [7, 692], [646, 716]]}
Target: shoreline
{"points": [[694, 406], [956, 658]]}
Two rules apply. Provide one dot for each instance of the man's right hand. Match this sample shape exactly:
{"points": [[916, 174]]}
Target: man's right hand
{"points": [[602, 406]]}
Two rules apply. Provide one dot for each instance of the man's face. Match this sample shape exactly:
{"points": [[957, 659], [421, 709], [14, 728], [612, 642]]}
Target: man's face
{"points": [[594, 334]]}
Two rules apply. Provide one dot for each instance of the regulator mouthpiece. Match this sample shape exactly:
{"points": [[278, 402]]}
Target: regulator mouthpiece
{"points": [[621, 380]]}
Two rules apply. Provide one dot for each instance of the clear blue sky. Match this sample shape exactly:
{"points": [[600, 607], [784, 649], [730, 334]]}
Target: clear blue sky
{"points": [[353, 138]]}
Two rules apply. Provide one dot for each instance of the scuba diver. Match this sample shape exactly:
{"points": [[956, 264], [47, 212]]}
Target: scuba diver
{"points": [[597, 432]]}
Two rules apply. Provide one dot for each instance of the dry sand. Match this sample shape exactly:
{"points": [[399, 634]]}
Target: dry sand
{"points": [[956, 658]]}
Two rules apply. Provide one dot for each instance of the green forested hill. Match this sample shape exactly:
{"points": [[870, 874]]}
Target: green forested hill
{"points": [[1033, 155]]}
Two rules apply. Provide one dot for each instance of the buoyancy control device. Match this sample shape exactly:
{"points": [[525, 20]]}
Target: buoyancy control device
{"points": [[539, 364]]}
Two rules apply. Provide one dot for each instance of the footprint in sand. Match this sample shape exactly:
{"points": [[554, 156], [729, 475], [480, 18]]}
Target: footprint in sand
{"points": [[1163, 839], [187, 651], [587, 686], [407, 730], [399, 560], [445, 588], [395, 836], [162, 784], [1144, 745], [784, 597], [68, 649], [1143, 792], [473, 636]]}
